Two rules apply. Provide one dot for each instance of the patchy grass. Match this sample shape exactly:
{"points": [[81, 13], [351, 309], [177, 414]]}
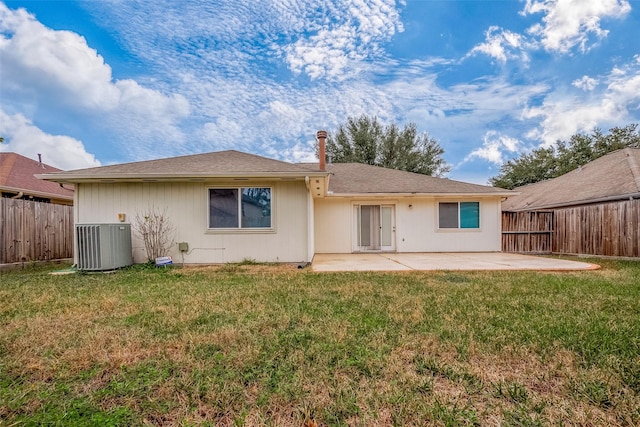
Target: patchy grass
{"points": [[252, 344]]}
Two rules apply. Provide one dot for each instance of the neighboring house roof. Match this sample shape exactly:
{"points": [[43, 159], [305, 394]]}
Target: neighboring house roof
{"points": [[220, 164], [358, 178], [614, 176], [17, 175]]}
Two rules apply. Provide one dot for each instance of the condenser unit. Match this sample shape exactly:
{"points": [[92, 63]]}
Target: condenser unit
{"points": [[103, 246]]}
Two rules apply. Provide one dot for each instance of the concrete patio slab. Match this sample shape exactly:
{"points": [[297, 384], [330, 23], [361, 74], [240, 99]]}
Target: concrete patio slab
{"points": [[443, 261]]}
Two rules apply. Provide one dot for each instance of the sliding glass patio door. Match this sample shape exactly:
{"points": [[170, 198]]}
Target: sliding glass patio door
{"points": [[374, 228]]}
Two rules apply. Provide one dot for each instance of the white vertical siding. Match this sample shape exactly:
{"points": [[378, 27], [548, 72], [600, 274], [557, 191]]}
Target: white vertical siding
{"points": [[416, 226], [186, 206], [333, 225]]}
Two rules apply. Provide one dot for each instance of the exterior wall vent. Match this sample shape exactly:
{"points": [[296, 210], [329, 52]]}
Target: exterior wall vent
{"points": [[103, 246]]}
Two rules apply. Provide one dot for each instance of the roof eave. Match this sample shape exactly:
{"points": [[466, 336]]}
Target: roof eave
{"points": [[548, 206], [419, 194], [159, 177], [36, 193]]}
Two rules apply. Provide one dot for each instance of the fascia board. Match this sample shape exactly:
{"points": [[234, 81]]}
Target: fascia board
{"points": [[121, 177]]}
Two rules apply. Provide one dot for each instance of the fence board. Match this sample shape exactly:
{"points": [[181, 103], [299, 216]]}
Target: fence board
{"points": [[34, 231], [527, 232], [607, 229]]}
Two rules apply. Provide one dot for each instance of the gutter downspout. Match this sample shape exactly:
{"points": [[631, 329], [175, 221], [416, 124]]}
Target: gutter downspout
{"points": [[311, 250], [310, 222], [19, 195], [76, 220]]}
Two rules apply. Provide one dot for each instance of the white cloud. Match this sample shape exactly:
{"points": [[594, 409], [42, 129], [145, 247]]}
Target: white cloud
{"points": [[624, 89], [494, 145], [561, 115], [224, 133], [502, 44], [325, 54], [568, 23], [565, 24], [302, 153], [22, 137], [332, 39], [54, 60], [585, 83], [335, 49], [58, 69]]}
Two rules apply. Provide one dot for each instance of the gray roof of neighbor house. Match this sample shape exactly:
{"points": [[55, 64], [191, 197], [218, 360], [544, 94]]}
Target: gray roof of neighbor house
{"points": [[220, 164], [17, 175], [358, 178], [614, 176]]}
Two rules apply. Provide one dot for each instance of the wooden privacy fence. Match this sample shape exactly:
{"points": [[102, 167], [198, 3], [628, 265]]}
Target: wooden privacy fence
{"points": [[529, 232], [34, 231], [607, 229]]}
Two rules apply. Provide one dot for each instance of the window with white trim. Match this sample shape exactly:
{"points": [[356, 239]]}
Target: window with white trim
{"points": [[459, 215], [242, 207]]}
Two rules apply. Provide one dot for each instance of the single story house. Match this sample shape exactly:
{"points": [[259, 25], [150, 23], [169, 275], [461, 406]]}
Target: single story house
{"points": [[229, 206], [18, 181]]}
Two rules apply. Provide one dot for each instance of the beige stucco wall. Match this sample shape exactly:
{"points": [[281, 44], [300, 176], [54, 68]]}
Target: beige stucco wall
{"points": [[416, 225], [186, 206]]}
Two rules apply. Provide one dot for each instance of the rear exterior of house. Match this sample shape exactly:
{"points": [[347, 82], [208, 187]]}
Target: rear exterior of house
{"points": [[279, 235], [230, 206], [406, 224], [227, 206], [368, 208]]}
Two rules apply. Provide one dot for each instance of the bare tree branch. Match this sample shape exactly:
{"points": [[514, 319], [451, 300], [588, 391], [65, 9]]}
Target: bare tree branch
{"points": [[156, 230]]}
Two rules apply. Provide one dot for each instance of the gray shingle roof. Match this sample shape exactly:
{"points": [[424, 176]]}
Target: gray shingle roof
{"points": [[616, 175], [215, 164], [358, 178], [345, 178]]}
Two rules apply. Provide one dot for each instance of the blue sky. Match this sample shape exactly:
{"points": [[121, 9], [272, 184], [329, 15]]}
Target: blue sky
{"points": [[99, 82]]}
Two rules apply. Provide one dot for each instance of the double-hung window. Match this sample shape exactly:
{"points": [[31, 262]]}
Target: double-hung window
{"points": [[242, 207], [459, 215]]}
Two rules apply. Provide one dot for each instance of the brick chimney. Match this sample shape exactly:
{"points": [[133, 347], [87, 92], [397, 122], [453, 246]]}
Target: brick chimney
{"points": [[322, 135]]}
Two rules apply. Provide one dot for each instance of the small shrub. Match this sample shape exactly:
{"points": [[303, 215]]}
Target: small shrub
{"points": [[156, 231]]}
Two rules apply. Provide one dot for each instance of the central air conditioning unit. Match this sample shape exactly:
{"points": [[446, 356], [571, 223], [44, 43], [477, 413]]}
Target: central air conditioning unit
{"points": [[103, 246]]}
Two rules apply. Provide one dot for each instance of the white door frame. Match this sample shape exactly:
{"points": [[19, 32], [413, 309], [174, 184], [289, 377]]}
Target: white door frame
{"points": [[380, 226]]}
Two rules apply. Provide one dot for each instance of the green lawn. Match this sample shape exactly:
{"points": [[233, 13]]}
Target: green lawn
{"points": [[273, 345]]}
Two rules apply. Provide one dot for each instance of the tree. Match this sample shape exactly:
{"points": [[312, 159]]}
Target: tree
{"points": [[365, 140], [532, 167], [546, 163]]}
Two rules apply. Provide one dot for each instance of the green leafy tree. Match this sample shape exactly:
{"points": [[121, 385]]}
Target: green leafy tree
{"points": [[546, 163], [365, 140]]}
